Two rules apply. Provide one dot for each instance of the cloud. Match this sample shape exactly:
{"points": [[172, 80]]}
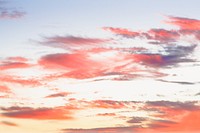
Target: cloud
{"points": [[60, 94], [14, 63], [161, 36], [122, 32], [184, 23], [187, 26], [56, 113], [11, 14], [8, 123], [73, 42], [4, 89], [106, 114], [188, 106], [131, 129], [137, 120], [197, 94], [188, 123], [85, 64], [178, 82], [20, 80], [5, 92], [108, 104]]}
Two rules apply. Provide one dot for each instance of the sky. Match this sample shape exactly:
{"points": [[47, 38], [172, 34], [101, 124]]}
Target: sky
{"points": [[104, 66]]}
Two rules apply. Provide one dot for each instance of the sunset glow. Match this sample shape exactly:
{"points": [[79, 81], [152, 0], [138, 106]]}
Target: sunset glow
{"points": [[108, 66]]}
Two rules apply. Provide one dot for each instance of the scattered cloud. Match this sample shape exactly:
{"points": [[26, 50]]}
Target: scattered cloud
{"points": [[10, 13], [106, 114], [7, 123], [60, 94], [20, 80], [14, 63], [105, 130], [56, 113], [177, 82], [174, 105], [73, 42], [184, 23], [137, 120], [122, 32]]}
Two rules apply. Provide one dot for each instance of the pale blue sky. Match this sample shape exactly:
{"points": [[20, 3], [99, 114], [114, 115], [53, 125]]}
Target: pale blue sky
{"points": [[86, 17]]}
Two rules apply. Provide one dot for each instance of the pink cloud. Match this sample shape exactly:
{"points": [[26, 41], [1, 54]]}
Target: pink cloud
{"points": [[122, 32], [162, 36], [14, 63], [20, 80], [184, 23]]}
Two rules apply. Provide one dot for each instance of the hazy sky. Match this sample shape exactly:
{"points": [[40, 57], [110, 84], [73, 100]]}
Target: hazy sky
{"points": [[113, 66]]}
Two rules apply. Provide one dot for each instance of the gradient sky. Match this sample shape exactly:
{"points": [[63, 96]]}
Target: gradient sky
{"points": [[104, 66]]}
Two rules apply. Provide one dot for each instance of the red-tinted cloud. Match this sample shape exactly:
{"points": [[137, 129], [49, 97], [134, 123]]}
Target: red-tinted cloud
{"points": [[83, 64], [57, 113], [161, 36], [184, 23], [4, 89], [122, 32], [148, 59], [5, 92], [14, 63], [19, 80]]}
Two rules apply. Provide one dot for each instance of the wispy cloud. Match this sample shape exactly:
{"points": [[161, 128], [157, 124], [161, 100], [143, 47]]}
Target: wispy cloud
{"points": [[184, 23], [105, 129], [9, 13], [73, 42], [122, 32], [57, 113], [8, 123], [5, 14], [60, 94]]}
